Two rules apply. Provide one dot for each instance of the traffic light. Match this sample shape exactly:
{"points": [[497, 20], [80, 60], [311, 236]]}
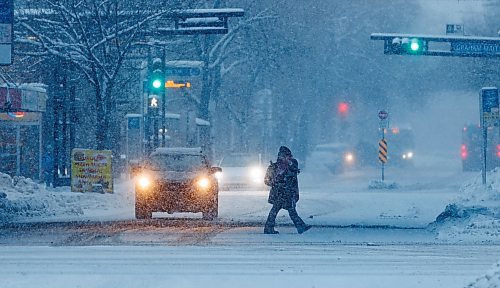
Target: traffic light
{"points": [[343, 109], [157, 77], [411, 46]]}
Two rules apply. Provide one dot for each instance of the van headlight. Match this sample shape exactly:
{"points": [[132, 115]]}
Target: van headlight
{"points": [[408, 155], [144, 182], [218, 175], [203, 183]]}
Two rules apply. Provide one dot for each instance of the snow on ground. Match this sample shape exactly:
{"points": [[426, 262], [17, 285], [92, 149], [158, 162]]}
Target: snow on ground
{"points": [[266, 265], [471, 214], [490, 280], [353, 199], [22, 200], [474, 214]]}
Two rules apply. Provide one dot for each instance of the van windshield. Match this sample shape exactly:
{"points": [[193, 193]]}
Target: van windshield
{"points": [[176, 162]]}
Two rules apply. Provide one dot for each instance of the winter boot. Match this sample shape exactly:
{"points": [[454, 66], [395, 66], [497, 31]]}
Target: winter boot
{"points": [[303, 228], [270, 231]]}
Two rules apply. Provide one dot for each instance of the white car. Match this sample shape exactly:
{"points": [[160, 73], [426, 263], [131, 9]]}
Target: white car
{"points": [[241, 171], [335, 157]]}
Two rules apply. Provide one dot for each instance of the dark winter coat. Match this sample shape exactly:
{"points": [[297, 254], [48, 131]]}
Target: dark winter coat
{"points": [[284, 184]]}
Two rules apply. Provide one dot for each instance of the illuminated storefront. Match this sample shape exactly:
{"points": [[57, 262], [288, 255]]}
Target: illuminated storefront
{"points": [[21, 130]]}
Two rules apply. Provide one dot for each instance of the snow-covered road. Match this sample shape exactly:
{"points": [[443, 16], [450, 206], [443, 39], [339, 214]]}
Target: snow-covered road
{"points": [[264, 265], [361, 237]]}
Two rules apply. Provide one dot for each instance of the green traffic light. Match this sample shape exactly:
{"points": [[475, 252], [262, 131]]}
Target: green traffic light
{"points": [[156, 83], [415, 46]]}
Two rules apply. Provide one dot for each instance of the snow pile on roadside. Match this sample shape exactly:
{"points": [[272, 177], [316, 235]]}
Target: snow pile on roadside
{"points": [[489, 280], [378, 184], [475, 215], [21, 199], [17, 185]]}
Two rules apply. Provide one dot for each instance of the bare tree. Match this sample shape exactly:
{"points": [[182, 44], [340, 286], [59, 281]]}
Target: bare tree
{"points": [[94, 36]]}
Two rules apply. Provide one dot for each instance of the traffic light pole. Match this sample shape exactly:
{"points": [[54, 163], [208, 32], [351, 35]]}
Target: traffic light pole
{"points": [[383, 163], [156, 139], [163, 104], [147, 120], [485, 149]]}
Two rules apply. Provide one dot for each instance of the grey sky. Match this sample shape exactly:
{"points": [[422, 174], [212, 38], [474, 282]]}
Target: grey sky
{"points": [[438, 13]]}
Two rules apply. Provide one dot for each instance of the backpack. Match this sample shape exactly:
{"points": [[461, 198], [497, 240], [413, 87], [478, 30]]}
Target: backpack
{"points": [[270, 174]]}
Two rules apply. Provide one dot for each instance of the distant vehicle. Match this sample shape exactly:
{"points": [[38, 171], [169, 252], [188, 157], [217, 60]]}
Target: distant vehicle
{"points": [[472, 146], [177, 180], [337, 157], [241, 171], [400, 146]]}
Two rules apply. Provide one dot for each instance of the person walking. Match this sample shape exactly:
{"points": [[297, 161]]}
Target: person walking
{"points": [[284, 192]]}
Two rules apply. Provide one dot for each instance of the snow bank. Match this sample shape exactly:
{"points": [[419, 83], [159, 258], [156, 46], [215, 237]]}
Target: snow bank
{"points": [[475, 215], [378, 184], [21, 199], [489, 280]]}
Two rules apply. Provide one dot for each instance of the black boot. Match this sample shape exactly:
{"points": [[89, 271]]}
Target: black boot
{"points": [[303, 229], [270, 231]]}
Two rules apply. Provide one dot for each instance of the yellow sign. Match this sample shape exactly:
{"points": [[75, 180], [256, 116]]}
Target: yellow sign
{"points": [[91, 171], [172, 84], [382, 151]]}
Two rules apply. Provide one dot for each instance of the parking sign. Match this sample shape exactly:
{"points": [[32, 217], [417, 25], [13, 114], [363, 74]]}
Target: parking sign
{"points": [[489, 106]]}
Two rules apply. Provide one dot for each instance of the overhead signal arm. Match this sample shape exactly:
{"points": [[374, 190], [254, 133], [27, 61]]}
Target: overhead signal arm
{"points": [[459, 46]]}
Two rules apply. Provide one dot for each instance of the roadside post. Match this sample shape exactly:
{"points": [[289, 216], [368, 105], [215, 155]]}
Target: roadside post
{"points": [[489, 109], [382, 144]]}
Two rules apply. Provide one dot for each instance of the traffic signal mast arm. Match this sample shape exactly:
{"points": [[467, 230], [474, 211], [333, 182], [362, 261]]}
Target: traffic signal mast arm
{"points": [[461, 46], [197, 21]]}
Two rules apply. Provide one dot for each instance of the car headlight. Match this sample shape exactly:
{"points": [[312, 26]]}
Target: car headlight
{"points": [[218, 175], [144, 182], [349, 157], [408, 155], [203, 183], [257, 174]]}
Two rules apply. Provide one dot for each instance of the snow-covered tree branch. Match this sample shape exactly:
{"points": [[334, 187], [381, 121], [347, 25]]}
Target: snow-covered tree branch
{"points": [[95, 36]]}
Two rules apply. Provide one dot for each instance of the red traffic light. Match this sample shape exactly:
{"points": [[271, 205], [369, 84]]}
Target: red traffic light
{"points": [[343, 108]]}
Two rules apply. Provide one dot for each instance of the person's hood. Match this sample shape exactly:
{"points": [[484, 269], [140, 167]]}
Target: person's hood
{"points": [[284, 151]]}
